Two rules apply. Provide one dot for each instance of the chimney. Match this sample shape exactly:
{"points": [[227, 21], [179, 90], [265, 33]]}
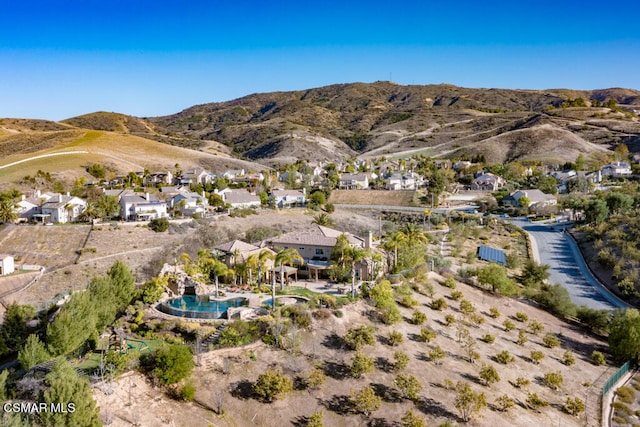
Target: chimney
{"points": [[68, 194], [23, 197], [38, 193], [147, 196], [368, 241], [203, 194], [304, 191]]}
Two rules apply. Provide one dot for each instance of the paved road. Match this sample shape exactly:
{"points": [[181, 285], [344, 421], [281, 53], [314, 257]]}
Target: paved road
{"points": [[568, 268]]}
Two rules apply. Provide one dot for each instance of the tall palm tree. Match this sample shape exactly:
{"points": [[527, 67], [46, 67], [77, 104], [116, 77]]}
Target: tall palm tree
{"points": [[253, 263], [355, 254], [263, 257], [392, 242], [286, 256]]}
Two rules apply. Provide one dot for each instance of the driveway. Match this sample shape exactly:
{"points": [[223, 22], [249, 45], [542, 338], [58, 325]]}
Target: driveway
{"points": [[568, 268]]}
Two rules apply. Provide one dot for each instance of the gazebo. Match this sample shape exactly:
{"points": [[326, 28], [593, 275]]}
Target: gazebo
{"points": [[315, 266], [286, 270]]}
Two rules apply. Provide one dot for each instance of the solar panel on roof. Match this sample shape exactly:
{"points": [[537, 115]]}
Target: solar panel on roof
{"points": [[490, 254]]}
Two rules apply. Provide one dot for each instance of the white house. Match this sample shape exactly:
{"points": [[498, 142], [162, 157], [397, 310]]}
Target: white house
{"points": [[63, 208], [6, 264], [356, 181], [142, 208], [189, 203], [616, 170], [27, 207], [288, 198], [398, 181], [231, 174], [196, 176], [239, 198]]}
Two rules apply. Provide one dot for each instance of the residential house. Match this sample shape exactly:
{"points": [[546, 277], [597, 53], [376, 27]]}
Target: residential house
{"points": [[27, 207], [63, 208], [136, 207], [231, 174], [461, 164], [356, 181], [537, 199], [196, 176], [158, 178], [189, 203], [237, 252], [284, 177], [288, 198], [315, 244], [399, 181], [239, 198], [6, 264], [487, 182], [616, 170], [251, 178]]}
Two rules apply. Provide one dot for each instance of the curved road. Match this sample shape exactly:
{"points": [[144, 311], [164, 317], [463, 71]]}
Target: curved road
{"points": [[560, 252]]}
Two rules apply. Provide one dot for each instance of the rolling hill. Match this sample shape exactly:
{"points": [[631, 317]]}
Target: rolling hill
{"points": [[342, 121], [438, 120]]}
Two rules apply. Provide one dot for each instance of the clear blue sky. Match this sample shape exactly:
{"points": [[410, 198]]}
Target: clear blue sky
{"points": [[61, 58]]}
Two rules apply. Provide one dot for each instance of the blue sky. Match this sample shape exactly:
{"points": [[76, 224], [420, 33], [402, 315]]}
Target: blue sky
{"points": [[61, 58]]}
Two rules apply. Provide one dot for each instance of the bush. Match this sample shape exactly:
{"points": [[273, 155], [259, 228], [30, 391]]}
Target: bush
{"points": [[159, 225], [272, 385], [449, 319], [522, 337], [553, 380], [537, 356], [238, 333], [418, 317], [535, 402], [365, 401], [188, 392], [409, 419], [551, 341], [568, 358], [436, 354], [439, 304], [316, 420], [508, 325], [626, 394], [488, 338], [427, 334], [494, 313], [504, 357], [456, 295], [597, 358], [489, 374], [536, 327], [316, 378], [169, 364], [522, 317], [408, 301], [359, 336], [401, 360], [574, 406], [450, 283], [395, 338], [408, 385], [521, 382], [361, 365]]}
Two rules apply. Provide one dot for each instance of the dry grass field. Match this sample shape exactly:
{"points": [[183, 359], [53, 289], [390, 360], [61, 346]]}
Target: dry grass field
{"points": [[372, 197]]}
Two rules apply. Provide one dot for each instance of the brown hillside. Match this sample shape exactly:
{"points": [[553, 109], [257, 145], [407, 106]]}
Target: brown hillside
{"points": [[383, 118]]}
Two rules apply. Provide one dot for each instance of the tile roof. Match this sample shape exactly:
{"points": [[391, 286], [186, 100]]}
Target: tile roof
{"points": [[236, 245], [315, 235]]}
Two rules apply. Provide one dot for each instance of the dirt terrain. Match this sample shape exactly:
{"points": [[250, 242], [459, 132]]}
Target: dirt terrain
{"points": [[150, 407]]}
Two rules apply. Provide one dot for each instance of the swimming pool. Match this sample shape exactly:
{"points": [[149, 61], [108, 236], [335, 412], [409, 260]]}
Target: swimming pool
{"points": [[200, 306]]}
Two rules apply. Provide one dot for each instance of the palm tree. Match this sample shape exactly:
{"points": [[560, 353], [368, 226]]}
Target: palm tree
{"points": [[392, 242], [253, 263], [324, 220], [90, 213], [263, 257], [7, 210], [354, 254], [286, 256]]}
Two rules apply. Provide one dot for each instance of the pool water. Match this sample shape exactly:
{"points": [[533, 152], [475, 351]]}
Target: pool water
{"points": [[200, 307]]}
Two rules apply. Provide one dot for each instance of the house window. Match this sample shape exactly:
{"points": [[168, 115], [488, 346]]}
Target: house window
{"points": [[319, 251], [301, 249]]}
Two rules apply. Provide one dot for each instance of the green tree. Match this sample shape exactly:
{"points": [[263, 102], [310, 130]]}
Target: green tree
{"points": [[32, 353], [73, 325], [495, 275], [553, 380], [534, 274], [618, 203], [108, 206], [153, 289], [8, 211], [624, 334], [272, 385], [598, 359], [489, 374], [401, 360], [504, 403], [14, 331], [596, 211], [169, 364], [436, 355], [524, 201], [66, 388], [469, 403], [365, 401], [408, 385]]}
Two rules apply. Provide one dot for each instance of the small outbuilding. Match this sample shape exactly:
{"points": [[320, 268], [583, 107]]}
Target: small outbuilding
{"points": [[6, 264]]}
